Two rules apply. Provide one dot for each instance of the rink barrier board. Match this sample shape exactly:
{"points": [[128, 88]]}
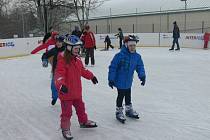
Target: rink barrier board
{"points": [[23, 46], [15, 56]]}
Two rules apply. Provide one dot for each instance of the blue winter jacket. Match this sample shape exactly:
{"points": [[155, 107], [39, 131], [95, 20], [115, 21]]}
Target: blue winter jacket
{"points": [[123, 66]]}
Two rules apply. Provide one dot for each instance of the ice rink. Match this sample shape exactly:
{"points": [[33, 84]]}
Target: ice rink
{"points": [[174, 104]]}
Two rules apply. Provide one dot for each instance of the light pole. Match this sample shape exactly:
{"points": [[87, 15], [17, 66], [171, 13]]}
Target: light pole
{"points": [[185, 16]]}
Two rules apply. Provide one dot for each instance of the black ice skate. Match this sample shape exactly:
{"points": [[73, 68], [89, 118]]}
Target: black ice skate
{"points": [[88, 124], [53, 101], [171, 49], [129, 112], [119, 115], [178, 49], [67, 134]]}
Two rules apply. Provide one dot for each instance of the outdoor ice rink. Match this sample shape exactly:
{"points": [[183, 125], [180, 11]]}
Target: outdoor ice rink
{"points": [[174, 104]]}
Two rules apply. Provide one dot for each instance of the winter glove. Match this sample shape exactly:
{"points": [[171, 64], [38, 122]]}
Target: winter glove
{"points": [[45, 63], [111, 84], [143, 80], [95, 80], [95, 47], [64, 89]]}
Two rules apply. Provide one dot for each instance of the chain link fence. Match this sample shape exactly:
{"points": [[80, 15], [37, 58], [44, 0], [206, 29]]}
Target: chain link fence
{"points": [[197, 21]]}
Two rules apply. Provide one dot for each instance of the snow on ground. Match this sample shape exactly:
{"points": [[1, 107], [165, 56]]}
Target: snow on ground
{"points": [[174, 104]]}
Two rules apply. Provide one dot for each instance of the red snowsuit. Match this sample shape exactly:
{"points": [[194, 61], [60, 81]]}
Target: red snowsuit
{"points": [[206, 40], [88, 39], [89, 44], [50, 42], [70, 76]]}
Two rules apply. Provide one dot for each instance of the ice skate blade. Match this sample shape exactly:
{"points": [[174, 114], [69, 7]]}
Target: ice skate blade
{"points": [[121, 121], [94, 126], [70, 138], [133, 117]]}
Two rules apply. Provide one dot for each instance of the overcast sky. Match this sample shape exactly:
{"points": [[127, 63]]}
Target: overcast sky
{"points": [[129, 6]]}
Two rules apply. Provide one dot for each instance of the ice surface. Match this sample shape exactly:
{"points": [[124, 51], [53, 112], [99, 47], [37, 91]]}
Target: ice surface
{"points": [[174, 104]]}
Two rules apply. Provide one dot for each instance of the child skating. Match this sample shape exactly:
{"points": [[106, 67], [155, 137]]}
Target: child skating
{"points": [[53, 53], [120, 76], [68, 75], [108, 43]]}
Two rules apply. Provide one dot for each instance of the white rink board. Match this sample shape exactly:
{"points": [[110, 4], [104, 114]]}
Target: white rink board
{"points": [[146, 39], [18, 46], [23, 46], [186, 40]]}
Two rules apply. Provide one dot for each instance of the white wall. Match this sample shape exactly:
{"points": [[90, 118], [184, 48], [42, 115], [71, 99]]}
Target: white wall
{"points": [[23, 46]]}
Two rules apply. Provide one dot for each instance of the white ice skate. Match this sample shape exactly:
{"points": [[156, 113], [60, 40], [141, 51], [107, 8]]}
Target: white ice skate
{"points": [[119, 115], [129, 112], [67, 134], [88, 124]]}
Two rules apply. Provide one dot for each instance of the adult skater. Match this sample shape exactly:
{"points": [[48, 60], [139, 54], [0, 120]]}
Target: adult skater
{"points": [[68, 75], [89, 44], [121, 73], [53, 53], [120, 36], [77, 32], [176, 36]]}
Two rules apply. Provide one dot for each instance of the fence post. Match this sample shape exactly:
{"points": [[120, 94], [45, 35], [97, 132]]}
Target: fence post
{"points": [[96, 29], [160, 21], [136, 20], [153, 27], [70, 26], [133, 28], [167, 22], [202, 27]]}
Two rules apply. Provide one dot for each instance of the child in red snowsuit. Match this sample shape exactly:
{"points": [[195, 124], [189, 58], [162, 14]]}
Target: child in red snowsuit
{"points": [[206, 40], [49, 44], [68, 75]]}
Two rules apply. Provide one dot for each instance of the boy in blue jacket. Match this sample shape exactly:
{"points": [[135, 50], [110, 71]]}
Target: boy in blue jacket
{"points": [[121, 73]]}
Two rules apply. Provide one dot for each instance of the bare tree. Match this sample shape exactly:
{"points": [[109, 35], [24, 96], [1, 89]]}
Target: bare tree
{"points": [[32, 6], [5, 22], [50, 11], [27, 16], [4, 6], [83, 8]]}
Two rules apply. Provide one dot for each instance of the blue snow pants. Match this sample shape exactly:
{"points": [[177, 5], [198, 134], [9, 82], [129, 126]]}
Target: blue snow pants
{"points": [[54, 90]]}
